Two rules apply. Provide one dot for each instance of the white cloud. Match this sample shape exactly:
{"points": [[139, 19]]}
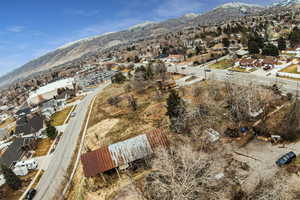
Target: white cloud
{"points": [[174, 8], [16, 29]]}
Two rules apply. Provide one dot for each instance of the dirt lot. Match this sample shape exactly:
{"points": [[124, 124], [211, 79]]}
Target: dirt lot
{"points": [[113, 123]]}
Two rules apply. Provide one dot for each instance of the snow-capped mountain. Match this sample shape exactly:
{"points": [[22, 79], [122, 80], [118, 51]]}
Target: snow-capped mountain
{"points": [[243, 8], [142, 25], [239, 5], [190, 15], [284, 3]]}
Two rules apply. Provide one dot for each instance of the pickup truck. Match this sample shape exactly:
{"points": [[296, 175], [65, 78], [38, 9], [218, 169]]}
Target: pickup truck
{"points": [[286, 159]]}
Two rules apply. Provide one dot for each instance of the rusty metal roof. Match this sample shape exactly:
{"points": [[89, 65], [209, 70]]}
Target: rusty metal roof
{"points": [[115, 155]]}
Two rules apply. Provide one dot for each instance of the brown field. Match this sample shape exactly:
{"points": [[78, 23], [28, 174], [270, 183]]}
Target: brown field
{"points": [[43, 147], [290, 69], [58, 118]]}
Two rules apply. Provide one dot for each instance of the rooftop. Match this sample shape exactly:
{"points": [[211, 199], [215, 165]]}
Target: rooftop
{"points": [[52, 86], [118, 154]]}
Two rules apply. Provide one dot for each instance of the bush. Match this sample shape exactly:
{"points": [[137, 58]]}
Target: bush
{"points": [[114, 101], [11, 178], [51, 131], [118, 78]]}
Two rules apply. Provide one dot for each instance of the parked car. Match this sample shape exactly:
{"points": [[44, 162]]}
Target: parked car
{"points": [[286, 159], [30, 194], [229, 72], [73, 114]]}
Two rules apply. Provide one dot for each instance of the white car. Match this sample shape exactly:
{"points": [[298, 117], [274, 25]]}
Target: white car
{"points": [[73, 114]]}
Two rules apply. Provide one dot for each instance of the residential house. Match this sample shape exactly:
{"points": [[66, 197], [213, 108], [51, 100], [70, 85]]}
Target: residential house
{"points": [[247, 62], [122, 153], [175, 58], [242, 53], [17, 150], [48, 108], [24, 111], [29, 125]]}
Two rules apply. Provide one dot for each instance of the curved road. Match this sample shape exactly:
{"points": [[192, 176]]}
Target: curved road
{"points": [[53, 178]]}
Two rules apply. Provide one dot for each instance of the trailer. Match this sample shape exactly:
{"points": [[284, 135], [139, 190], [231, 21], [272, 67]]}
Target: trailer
{"points": [[29, 164]]}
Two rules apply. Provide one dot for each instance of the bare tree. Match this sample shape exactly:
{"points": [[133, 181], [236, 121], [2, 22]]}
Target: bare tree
{"points": [[244, 102], [128, 88], [180, 175], [132, 102], [114, 101]]}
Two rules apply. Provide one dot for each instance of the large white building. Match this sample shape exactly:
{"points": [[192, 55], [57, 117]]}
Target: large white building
{"points": [[49, 91]]}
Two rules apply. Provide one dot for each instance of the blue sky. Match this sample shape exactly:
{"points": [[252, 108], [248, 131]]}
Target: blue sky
{"points": [[31, 28]]}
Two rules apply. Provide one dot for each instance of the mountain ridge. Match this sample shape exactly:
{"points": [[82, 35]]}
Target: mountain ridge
{"points": [[79, 48]]}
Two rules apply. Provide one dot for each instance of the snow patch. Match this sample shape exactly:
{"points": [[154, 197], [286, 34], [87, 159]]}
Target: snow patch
{"points": [[190, 15], [142, 25], [239, 5]]}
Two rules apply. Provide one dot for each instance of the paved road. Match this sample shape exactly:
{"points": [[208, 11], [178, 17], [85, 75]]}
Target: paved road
{"points": [[52, 179], [286, 85]]}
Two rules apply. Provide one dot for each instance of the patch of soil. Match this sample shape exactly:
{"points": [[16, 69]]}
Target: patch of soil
{"points": [[96, 135]]}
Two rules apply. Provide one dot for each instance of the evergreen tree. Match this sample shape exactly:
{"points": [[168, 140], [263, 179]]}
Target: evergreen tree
{"points": [[281, 44], [226, 42], [11, 178], [149, 73], [174, 102], [118, 78], [176, 112], [270, 50], [294, 37], [51, 131], [253, 47]]}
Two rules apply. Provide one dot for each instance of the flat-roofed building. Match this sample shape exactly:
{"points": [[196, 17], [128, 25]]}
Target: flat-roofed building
{"points": [[49, 91]]}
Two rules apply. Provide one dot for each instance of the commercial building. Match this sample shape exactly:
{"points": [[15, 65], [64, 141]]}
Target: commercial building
{"points": [[49, 91]]}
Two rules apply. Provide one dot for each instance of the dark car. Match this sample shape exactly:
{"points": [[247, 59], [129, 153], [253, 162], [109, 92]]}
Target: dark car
{"points": [[286, 159], [30, 194]]}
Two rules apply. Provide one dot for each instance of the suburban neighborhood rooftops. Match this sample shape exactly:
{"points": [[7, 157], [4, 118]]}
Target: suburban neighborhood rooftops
{"points": [[15, 151], [27, 126], [118, 154], [23, 111]]}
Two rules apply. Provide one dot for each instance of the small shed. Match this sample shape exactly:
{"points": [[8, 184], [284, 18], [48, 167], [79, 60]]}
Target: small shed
{"points": [[122, 153]]}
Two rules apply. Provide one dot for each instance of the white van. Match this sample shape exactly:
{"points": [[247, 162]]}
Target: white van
{"points": [[29, 164]]}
